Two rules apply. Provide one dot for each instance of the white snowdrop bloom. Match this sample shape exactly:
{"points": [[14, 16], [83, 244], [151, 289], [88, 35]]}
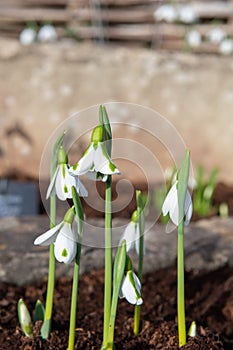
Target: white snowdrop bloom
{"points": [[170, 206], [63, 237], [132, 234], [62, 181], [167, 13], [27, 36], [131, 288], [95, 162], [226, 47], [193, 38], [187, 14], [216, 35], [47, 33]]}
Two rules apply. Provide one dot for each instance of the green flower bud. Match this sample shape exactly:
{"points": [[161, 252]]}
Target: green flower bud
{"points": [[62, 157], [97, 134], [69, 216], [134, 217]]}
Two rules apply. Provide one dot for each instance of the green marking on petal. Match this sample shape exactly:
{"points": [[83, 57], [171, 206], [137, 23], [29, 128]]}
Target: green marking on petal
{"points": [[64, 253], [65, 189], [75, 166], [112, 167]]}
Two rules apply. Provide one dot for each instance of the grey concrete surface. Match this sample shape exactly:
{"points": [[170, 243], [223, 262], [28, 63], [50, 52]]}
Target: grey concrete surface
{"points": [[208, 245]]}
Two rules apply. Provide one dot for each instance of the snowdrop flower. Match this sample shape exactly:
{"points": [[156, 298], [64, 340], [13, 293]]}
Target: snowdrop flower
{"points": [[170, 205], [167, 13], [226, 47], [132, 234], [193, 38], [216, 35], [63, 237], [95, 162], [27, 36], [47, 33], [187, 14], [131, 288], [62, 182]]}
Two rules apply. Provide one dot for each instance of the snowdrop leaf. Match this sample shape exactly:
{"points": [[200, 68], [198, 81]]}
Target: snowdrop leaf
{"points": [[80, 219], [56, 147], [24, 318], [39, 311], [119, 265], [107, 132]]}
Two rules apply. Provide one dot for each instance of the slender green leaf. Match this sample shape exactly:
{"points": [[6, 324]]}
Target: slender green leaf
{"points": [[56, 147], [107, 132], [39, 312], [119, 264], [24, 318]]}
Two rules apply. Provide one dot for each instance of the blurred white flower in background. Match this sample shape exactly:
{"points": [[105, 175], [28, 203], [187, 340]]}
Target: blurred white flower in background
{"points": [[187, 14], [226, 47], [216, 35], [27, 36], [193, 38], [167, 13], [47, 33]]}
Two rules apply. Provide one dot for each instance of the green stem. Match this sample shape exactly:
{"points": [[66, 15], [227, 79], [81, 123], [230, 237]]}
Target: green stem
{"points": [[112, 320], [73, 307], [46, 327], [108, 259], [137, 309], [180, 286]]}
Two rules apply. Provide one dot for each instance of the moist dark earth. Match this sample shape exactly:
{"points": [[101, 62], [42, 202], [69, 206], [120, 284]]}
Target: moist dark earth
{"points": [[209, 301]]}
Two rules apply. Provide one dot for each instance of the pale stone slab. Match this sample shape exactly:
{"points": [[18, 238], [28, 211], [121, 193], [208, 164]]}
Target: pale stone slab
{"points": [[208, 245]]}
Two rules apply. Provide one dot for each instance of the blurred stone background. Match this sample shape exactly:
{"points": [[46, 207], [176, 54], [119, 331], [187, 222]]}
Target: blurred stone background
{"points": [[43, 84]]}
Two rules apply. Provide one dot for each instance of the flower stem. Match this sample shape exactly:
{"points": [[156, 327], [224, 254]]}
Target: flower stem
{"points": [[119, 268], [108, 259], [46, 327], [137, 309], [180, 286], [73, 307]]}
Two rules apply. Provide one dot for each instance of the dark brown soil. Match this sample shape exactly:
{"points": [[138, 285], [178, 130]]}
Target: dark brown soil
{"points": [[209, 298]]}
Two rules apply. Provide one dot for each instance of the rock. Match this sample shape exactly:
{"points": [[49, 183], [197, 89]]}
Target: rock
{"points": [[208, 245]]}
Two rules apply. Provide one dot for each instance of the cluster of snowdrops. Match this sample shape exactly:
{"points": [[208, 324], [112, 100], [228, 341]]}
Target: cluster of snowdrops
{"points": [[65, 241]]}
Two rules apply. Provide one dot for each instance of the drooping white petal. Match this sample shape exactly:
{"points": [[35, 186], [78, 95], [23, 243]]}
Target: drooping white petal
{"points": [[129, 236], [85, 163], [81, 189], [102, 161], [65, 246], [49, 236], [51, 188], [128, 290], [174, 214], [62, 180], [94, 176], [188, 208], [171, 200]]}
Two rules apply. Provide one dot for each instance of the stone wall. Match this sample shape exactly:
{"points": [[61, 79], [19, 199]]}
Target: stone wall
{"points": [[42, 85]]}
